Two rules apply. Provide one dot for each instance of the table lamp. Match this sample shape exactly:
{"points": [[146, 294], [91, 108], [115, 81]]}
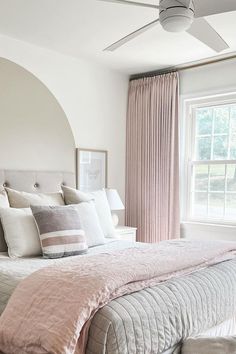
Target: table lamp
{"points": [[115, 203]]}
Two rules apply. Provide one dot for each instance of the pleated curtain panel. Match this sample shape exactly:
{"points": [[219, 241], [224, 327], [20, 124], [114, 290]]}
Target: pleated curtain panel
{"points": [[152, 158]]}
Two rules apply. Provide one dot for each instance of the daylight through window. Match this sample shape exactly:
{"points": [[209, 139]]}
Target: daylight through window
{"points": [[213, 163]]}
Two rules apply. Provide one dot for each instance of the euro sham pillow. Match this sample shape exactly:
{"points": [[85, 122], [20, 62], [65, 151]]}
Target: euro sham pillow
{"points": [[20, 232], [74, 196], [24, 200], [90, 224], [4, 203], [60, 231]]}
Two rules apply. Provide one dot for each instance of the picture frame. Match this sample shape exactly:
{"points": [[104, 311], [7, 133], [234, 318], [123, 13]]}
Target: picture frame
{"points": [[91, 169]]}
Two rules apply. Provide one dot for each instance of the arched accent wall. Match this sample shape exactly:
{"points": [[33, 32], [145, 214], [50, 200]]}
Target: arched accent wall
{"points": [[34, 130]]}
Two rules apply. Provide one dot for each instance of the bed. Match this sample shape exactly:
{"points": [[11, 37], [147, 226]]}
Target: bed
{"points": [[154, 320]]}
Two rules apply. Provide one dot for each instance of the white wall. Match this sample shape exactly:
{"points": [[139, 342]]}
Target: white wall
{"points": [[199, 82], [92, 97], [209, 79]]}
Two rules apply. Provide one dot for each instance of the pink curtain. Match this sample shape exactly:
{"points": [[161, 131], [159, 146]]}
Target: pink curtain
{"points": [[152, 158]]}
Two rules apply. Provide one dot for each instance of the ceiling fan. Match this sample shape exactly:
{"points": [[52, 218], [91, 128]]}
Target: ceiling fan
{"points": [[182, 15]]}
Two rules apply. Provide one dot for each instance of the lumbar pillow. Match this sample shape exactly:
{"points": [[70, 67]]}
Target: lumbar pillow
{"points": [[20, 232], [90, 223], [60, 231], [4, 203], [74, 196], [24, 200]]}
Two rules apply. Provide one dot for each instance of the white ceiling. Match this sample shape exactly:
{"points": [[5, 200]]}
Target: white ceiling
{"points": [[86, 27]]}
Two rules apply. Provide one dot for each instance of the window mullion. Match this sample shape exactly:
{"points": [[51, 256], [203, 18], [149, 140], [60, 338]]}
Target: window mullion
{"points": [[229, 135], [226, 169], [212, 132], [213, 162], [208, 190]]}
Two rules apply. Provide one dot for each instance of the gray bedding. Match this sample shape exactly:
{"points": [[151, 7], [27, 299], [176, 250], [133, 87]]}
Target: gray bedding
{"points": [[154, 320], [203, 345], [150, 321]]}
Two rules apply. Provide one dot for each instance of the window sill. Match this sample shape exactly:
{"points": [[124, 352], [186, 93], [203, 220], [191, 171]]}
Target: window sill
{"points": [[207, 231], [207, 224]]}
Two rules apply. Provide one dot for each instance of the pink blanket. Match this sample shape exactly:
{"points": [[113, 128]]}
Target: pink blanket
{"points": [[49, 311]]}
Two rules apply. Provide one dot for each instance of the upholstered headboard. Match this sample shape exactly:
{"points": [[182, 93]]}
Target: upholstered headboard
{"points": [[36, 181]]}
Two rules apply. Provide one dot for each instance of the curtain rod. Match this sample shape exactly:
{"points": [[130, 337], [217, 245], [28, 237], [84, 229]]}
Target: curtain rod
{"points": [[180, 68]]}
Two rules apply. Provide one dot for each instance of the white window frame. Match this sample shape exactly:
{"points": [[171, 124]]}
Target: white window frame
{"points": [[189, 106]]}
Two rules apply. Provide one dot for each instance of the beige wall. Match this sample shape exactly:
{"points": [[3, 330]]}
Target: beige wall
{"points": [[34, 131]]}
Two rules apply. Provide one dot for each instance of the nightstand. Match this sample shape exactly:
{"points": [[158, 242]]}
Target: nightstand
{"points": [[126, 233]]}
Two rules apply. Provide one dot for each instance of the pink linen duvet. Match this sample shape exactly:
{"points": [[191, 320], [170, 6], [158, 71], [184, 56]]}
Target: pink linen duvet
{"points": [[50, 311]]}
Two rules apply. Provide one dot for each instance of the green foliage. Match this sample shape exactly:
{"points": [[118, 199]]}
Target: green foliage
{"points": [[216, 133]]}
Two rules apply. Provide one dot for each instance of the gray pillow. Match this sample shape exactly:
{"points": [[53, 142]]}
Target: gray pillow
{"points": [[60, 231]]}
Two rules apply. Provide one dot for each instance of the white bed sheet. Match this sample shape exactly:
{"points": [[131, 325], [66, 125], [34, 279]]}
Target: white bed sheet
{"points": [[12, 271]]}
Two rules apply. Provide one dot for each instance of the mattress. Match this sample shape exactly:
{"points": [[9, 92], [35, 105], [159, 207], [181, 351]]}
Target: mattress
{"points": [[151, 321]]}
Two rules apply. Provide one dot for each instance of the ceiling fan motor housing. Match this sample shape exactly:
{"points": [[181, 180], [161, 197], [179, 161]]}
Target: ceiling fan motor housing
{"points": [[176, 15]]}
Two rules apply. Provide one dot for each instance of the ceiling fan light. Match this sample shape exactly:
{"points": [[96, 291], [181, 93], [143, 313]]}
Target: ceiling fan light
{"points": [[176, 18], [177, 23]]}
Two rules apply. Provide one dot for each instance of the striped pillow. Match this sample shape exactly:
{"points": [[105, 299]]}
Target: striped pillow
{"points": [[60, 231]]}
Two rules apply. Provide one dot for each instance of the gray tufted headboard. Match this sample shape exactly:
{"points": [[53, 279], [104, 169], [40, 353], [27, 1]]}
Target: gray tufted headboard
{"points": [[36, 181]]}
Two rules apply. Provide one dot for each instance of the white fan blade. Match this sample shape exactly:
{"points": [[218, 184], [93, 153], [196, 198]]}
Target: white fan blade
{"points": [[131, 36], [203, 31], [213, 7], [126, 2]]}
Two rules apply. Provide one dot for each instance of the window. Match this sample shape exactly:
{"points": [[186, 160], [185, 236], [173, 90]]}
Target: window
{"points": [[211, 160]]}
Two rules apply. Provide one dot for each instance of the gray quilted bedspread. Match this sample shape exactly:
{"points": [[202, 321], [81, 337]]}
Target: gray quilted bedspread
{"points": [[154, 320]]}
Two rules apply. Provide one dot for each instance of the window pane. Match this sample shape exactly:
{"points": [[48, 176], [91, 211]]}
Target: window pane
{"points": [[203, 148], [233, 119], [220, 148], [199, 204], [231, 178], [216, 205], [201, 178], [230, 211], [204, 119], [213, 184], [233, 147], [217, 178], [221, 122]]}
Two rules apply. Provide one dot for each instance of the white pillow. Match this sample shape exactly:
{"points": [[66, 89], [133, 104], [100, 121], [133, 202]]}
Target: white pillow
{"points": [[4, 203], [90, 224], [74, 196], [24, 200], [20, 232]]}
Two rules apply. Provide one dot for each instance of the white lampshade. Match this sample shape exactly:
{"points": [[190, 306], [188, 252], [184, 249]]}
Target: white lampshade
{"points": [[114, 200]]}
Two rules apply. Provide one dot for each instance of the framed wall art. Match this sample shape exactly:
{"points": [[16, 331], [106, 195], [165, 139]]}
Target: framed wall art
{"points": [[91, 169]]}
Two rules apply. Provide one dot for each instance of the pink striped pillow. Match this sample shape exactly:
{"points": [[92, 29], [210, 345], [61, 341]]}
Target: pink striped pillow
{"points": [[60, 231]]}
